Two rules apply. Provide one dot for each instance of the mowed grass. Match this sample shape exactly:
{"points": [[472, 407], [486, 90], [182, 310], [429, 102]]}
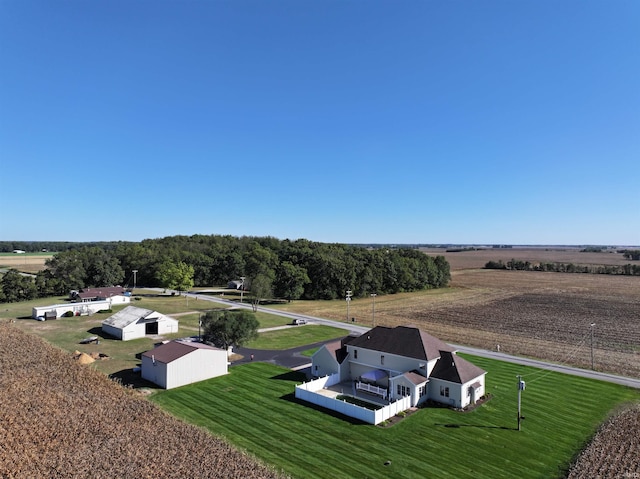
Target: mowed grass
{"points": [[295, 336], [254, 407]]}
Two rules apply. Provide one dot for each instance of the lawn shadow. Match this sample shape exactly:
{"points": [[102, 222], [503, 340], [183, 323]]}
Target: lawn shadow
{"points": [[456, 426], [291, 397], [292, 376]]}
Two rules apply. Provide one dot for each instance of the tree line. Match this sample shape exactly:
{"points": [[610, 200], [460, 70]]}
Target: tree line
{"points": [[272, 268], [626, 269]]}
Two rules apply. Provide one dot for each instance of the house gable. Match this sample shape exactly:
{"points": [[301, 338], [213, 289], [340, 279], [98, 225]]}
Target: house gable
{"points": [[450, 367]]}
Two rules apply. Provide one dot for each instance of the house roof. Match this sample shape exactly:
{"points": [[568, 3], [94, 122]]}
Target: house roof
{"points": [[165, 353], [402, 341], [337, 350], [127, 316], [106, 292], [415, 378], [454, 369]]}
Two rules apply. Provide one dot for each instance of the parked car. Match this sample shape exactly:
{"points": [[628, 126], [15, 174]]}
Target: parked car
{"points": [[298, 322], [40, 318]]}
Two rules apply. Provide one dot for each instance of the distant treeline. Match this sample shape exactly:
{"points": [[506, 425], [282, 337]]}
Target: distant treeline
{"points": [[299, 269], [627, 269], [51, 246]]}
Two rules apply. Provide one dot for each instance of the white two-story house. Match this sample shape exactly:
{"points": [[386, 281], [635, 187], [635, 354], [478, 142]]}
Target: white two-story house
{"points": [[402, 361]]}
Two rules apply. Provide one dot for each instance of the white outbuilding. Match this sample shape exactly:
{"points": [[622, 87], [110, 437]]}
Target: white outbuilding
{"points": [[133, 322], [178, 363]]}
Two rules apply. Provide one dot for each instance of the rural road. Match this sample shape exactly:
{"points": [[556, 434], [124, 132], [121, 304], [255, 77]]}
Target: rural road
{"points": [[354, 328]]}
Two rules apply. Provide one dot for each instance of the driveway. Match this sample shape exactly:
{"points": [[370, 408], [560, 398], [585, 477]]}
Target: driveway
{"points": [[288, 358]]}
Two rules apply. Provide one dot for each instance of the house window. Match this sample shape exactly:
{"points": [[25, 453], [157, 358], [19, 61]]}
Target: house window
{"points": [[355, 354], [403, 390], [382, 359], [316, 367], [423, 390], [444, 391]]}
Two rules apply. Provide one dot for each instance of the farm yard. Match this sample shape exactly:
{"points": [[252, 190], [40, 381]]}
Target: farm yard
{"points": [[542, 315]]}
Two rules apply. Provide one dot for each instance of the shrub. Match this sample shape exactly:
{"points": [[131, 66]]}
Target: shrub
{"points": [[68, 314]]}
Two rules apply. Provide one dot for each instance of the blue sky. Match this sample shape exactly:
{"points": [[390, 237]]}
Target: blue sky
{"points": [[514, 122]]}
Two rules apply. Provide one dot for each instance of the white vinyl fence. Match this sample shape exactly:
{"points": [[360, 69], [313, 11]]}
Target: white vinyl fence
{"points": [[308, 392]]}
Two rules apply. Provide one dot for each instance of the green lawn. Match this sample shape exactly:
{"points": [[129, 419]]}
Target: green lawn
{"points": [[254, 408], [295, 336]]}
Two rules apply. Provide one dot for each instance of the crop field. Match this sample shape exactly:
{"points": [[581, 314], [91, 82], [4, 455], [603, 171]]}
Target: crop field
{"points": [[478, 258], [61, 419], [27, 262]]}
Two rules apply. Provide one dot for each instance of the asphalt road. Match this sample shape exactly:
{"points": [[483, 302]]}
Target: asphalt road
{"points": [[289, 356]]}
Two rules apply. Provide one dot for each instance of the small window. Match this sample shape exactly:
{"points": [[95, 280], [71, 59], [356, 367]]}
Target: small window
{"points": [[444, 391], [355, 354], [382, 359], [423, 390]]}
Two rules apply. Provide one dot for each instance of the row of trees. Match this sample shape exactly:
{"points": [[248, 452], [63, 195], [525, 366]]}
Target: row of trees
{"points": [[627, 269], [272, 268]]}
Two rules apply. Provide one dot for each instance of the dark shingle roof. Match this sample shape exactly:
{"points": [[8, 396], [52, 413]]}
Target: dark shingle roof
{"points": [[402, 341], [452, 368]]}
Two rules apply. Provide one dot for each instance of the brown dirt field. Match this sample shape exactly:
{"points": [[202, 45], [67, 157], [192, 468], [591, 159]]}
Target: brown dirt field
{"points": [[61, 419], [477, 259], [23, 262]]}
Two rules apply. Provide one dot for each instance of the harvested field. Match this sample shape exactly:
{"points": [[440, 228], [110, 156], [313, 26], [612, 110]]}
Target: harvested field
{"points": [[27, 263], [615, 449], [478, 258], [541, 315], [62, 419]]}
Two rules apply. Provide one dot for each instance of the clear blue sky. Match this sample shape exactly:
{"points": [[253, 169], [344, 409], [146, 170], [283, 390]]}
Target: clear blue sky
{"points": [[431, 121]]}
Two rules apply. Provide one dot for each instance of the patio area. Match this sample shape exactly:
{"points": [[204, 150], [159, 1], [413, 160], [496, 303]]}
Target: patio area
{"points": [[349, 388]]}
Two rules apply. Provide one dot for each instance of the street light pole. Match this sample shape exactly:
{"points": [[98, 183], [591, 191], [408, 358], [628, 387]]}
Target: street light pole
{"points": [[348, 299], [592, 363], [373, 309], [134, 271]]}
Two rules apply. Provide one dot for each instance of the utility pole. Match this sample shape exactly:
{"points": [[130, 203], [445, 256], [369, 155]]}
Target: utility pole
{"points": [[592, 363], [134, 271], [242, 288], [521, 387], [348, 299], [373, 309]]}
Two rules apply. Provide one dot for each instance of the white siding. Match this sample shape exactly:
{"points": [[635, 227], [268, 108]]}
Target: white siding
{"points": [[196, 366], [368, 359], [112, 331], [324, 363], [154, 371]]}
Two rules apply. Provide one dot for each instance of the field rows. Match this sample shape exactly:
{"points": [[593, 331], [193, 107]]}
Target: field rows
{"points": [[61, 419]]}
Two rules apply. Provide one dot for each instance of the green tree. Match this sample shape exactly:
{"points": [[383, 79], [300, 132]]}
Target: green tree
{"points": [[178, 276], [230, 328], [261, 287], [17, 287], [290, 281]]}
